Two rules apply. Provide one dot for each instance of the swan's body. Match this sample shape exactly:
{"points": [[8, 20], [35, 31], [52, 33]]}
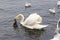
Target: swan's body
{"points": [[57, 36], [31, 21], [27, 4], [58, 4], [53, 11]]}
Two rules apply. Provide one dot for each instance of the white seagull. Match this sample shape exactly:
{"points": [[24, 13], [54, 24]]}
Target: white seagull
{"points": [[57, 36], [58, 3], [53, 11], [32, 21], [27, 4]]}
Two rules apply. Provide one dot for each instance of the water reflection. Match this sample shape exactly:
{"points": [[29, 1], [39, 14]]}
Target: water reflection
{"points": [[33, 34]]}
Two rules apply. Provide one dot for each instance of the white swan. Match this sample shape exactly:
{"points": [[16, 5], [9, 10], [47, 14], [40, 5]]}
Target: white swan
{"points": [[57, 36], [53, 11], [27, 4], [31, 21], [58, 3]]}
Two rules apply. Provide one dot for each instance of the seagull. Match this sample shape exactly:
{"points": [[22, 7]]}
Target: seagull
{"points": [[27, 4], [52, 11]]}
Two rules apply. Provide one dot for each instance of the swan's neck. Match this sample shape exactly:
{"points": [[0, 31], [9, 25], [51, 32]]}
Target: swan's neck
{"points": [[57, 27], [21, 17]]}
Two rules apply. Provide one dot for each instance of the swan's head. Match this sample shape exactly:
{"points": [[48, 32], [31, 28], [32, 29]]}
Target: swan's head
{"points": [[19, 16]]}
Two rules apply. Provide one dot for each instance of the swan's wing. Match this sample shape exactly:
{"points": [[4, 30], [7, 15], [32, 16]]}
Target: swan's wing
{"points": [[37, 26], [31, 19], [30, 27]]}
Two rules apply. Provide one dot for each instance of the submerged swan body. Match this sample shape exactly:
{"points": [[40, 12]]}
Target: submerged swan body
{"points": [[57, 36], [53, 11], [32, 21]]}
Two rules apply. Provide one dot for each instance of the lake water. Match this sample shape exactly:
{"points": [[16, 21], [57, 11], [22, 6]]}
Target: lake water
{"points": [[10, 8]]}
